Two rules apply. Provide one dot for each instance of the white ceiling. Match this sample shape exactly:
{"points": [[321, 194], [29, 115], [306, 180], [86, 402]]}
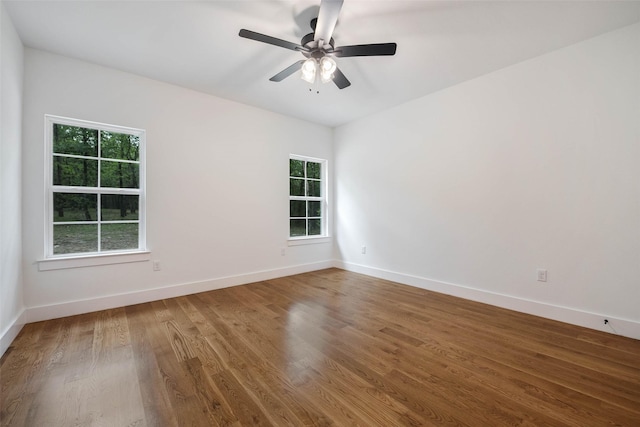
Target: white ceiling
{"points": [[196, 44]]}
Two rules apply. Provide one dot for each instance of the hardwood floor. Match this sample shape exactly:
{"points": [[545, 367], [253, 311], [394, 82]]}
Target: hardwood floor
{"points": [[317, 349]]}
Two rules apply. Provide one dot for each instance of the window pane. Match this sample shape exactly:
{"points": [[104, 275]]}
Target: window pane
{"points": [[313, 170], [119, 236], [296, 168], [296, 187], [120, 146], [76, 172], [315, 209], [297, 227], [315, 227], [297, 208], [75, 140], [118, 207], [314, 189], [119, 175], [73, 238], [74, 207]]}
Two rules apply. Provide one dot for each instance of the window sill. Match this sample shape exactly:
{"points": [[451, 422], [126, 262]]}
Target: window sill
{"points": [[79, 261], [308, 240]]}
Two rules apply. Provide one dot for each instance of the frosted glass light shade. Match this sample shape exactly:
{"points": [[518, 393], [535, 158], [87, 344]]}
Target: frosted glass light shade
{"points": [[327, 68], [309, 70]]}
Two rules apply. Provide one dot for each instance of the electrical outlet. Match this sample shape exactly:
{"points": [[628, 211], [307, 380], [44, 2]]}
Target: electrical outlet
{"points": [[363, 250], [156, 265], [542, 275], [283, 251]]}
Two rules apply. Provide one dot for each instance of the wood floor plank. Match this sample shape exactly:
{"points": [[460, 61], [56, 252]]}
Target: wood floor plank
{"points": [[578, 377], [156, 403], [244, 407], [326, 348], [251, 368], [546, 396], [36, 401], [209, 395]]}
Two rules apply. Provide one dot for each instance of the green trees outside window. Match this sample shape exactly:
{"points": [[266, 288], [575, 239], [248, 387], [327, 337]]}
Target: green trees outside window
{"points": [[306, 197], [95, 188]]}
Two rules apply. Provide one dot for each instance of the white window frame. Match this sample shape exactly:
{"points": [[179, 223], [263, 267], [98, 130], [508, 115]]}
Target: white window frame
{"points": [[324, 221], [101, 257]]}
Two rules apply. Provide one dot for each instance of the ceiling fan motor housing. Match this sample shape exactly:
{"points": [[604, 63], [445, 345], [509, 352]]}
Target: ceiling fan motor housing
{"points": [[315, 50]]}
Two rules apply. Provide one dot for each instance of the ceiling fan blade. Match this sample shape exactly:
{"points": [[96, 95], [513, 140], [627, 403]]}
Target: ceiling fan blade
{"points": [[327, 19], [248, 34], [287, 71], [340, 80], [376, 49]]}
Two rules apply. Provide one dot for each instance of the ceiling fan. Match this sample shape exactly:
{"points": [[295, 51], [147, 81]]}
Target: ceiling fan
{"points": [[319, 49]]}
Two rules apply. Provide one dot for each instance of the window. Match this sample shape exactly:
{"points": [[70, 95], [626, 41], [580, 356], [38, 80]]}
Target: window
{"points": [[95, 188], [307, 197]]}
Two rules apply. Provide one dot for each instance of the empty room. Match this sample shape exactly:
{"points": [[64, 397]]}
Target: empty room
{"points": [[319, 213]]}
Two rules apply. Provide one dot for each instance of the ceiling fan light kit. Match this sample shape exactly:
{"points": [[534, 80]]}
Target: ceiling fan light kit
{"points": [[318, 51], [310, 68]]}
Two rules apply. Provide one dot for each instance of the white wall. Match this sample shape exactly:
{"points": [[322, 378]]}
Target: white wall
{"points": [[11, 70], [217, 187], [468, 191]]}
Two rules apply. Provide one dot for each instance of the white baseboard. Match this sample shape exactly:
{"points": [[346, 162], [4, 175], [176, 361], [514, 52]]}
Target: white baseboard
{"points": [[12, 331], [54, 311], [618, 326], [573, 316]]}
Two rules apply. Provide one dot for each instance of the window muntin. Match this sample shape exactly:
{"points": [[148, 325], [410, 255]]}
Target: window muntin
{"points": [[307, 197], [95, 187]]}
